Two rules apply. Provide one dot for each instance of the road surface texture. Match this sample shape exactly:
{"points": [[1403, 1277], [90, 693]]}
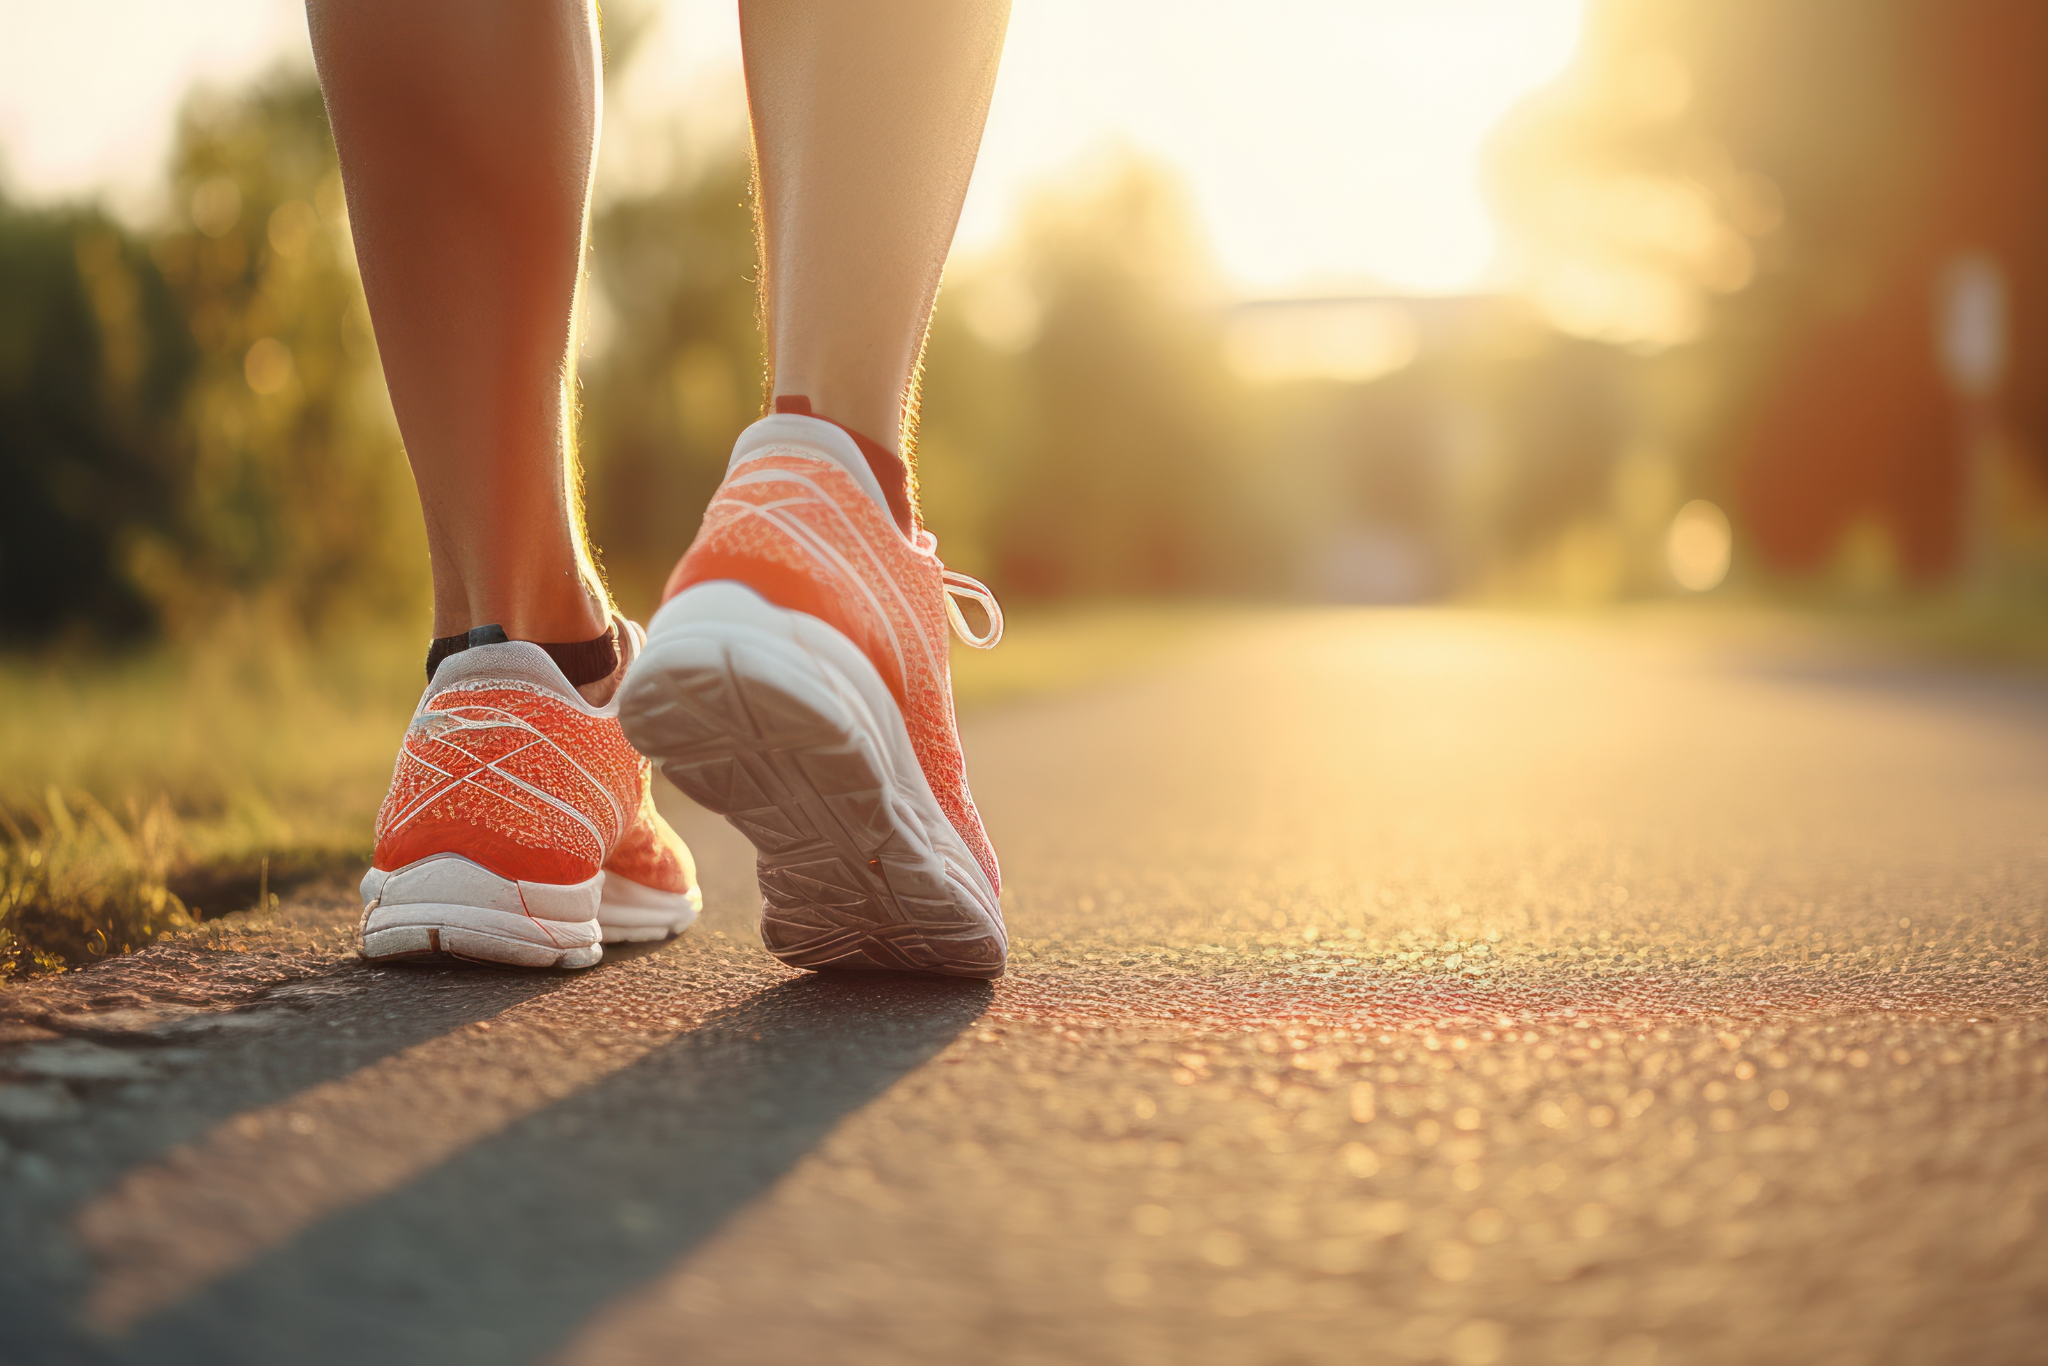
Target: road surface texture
{"points": [[1388, 987]]}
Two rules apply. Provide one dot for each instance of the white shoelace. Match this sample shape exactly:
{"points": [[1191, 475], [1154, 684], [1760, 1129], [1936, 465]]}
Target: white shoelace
{"points": [[961, 587]]}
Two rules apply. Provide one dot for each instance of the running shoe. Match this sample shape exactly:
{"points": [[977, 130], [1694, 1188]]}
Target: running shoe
{"points": [[796, 682], [520, 827]]}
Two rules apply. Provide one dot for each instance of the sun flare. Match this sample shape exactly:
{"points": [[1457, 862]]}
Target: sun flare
{"points": [[1325, 143]]}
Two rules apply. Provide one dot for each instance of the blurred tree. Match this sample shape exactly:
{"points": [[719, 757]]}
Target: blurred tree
{"points": [[94, 355], [198, 432], [296, 505], [1653, 178], [673, 368], [1776, 190], [1081, 433]]}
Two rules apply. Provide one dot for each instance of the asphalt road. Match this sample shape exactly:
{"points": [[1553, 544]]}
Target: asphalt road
{"points": [[1401, 987]]}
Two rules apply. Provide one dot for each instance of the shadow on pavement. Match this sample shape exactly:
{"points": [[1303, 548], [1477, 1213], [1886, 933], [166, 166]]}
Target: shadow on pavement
{"points": [[501, 1252], [191, 1085]]}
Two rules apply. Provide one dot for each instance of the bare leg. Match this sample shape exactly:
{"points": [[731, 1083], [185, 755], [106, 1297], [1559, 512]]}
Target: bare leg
{"points": [[867, 116], [467, 131], [801, 650]]}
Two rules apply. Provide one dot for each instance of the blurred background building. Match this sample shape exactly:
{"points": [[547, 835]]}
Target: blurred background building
{"points": [[1762, 306]]}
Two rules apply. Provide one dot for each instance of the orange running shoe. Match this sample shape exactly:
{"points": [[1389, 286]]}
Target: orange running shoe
{"points": [[796, 682], [520, 827]]}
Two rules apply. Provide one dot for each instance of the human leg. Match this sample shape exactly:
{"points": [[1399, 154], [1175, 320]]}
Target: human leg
{"points": [[796, 676], [467, 131], [519, 827], [867, 116]]}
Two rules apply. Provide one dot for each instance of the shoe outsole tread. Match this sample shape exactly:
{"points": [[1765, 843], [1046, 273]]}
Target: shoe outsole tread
{"points": [[757, 720]]}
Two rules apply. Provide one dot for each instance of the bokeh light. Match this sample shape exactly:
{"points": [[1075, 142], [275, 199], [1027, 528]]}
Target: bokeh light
{"points": [[1699, 546]]}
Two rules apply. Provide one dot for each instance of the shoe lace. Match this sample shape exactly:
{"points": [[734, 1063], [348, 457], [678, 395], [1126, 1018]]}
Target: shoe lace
{"points": [[961, 587]]}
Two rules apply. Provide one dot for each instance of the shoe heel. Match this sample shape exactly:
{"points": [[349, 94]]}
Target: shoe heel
{"points": [[448, 906], [777, 722], [633, 913]]}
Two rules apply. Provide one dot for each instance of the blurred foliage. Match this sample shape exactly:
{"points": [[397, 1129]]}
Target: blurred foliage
{"points": [[1079, 433], [94, 362], [673, 367], [195, 441], [1655, 179], [1695, 163], [1760, 201], [296, 505], [193, 429], [1085, 430]]}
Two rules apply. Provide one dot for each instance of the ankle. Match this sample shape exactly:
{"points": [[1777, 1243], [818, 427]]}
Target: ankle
{"points": [[891, 471], [594, 667], [858, 407], [540, 595]]}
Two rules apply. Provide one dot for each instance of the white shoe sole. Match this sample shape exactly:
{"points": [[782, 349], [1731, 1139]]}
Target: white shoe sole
{"points": [[777, 722], [631, 912], [445, 905]]}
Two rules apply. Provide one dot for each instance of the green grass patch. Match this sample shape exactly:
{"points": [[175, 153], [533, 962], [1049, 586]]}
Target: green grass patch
{"points": [[79, 884], [145, 792]]}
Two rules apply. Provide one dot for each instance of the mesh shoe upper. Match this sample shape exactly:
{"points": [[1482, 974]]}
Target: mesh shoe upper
{"points": [[795, 527], [506, 767]]}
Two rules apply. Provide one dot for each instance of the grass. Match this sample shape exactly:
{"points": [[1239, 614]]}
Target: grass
{"points": [[80, 884], [139, 795], [142, 793]]}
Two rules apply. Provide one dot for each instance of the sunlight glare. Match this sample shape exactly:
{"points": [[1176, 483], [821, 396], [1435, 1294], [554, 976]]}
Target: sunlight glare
{"points": [[1325, 144], [1338, 339]]}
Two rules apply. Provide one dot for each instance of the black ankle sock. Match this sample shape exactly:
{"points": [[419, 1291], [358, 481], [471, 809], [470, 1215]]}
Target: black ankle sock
{"points": [[582, 661]]}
